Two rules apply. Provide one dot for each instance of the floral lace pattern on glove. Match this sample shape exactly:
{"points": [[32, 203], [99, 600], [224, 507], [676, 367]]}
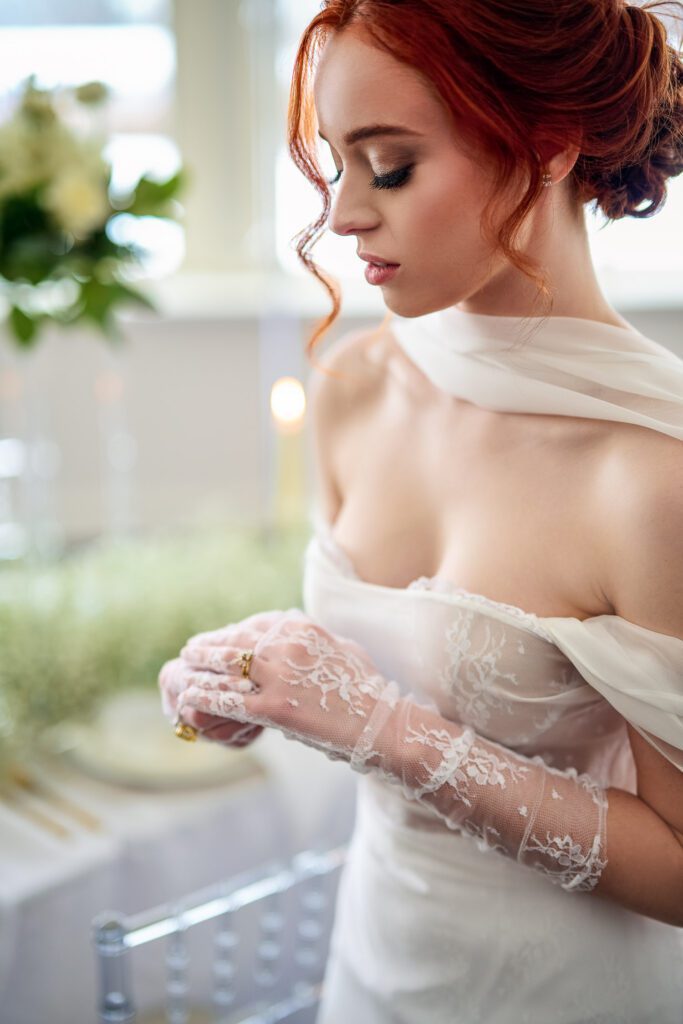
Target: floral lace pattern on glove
{"points": [[554, 821], [324, 690], [312, 685]]}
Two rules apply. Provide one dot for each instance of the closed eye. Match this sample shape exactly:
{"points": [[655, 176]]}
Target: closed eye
{"points": [[393, 179]]}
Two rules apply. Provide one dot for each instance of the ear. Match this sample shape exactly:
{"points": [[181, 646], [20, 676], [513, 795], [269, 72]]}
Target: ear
{"points": [[560, 163]]}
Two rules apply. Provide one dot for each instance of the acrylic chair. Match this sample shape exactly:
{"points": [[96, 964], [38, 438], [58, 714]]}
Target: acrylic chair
{"points": [[261, 938]]}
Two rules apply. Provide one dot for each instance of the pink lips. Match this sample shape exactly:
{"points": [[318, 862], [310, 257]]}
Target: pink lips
{"points": [[371, 257], [379, 271], [380, 275]]}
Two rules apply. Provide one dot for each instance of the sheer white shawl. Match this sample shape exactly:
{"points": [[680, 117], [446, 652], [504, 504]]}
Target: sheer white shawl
{"points": [[574, 367]]}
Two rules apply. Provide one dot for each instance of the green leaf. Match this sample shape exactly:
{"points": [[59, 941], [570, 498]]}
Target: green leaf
{"points": [[30, 243], [30, 259], [23, 327], [97, 301], [125, 291], [152, 198]]}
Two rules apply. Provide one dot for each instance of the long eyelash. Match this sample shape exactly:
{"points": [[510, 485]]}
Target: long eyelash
{"points": [[394, 179]]}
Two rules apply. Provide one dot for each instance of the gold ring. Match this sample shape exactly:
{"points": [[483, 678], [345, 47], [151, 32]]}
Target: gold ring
{"points": [[244, 659], [185, 731]]}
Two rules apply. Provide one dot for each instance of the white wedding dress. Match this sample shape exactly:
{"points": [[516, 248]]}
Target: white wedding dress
{"points": [[431, 926]]}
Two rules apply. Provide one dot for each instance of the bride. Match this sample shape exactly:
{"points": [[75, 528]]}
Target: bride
{"points": [[492, 632]]}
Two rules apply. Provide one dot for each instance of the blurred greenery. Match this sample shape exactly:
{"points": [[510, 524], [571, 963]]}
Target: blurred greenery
{"points": [[107, 618], [58, 217]]}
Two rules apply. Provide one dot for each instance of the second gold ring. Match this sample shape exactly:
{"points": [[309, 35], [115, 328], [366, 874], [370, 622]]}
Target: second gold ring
{"points": [[244, 660]]}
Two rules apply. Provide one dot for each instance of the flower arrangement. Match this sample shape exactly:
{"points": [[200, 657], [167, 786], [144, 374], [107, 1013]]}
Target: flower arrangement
{"points": [[106, 619], [59, 260]]}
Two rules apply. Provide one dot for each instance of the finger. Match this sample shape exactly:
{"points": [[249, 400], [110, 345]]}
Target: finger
{"points": [[221, 703], [248, 733], [171, 682], [219, 658], [222, 730], [284, 629], [234, 632], [206, 679], [176, 676], [233, 733], [224, 660], [211, 723]]}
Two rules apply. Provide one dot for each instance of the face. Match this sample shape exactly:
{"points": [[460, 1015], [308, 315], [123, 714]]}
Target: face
{"points": [[414, 199]]}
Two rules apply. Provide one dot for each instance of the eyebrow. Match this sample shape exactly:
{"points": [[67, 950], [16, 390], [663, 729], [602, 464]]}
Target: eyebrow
{"points": [[372, 130]]}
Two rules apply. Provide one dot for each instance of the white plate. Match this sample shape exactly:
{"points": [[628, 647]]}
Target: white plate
{"points": [[132, 743]]}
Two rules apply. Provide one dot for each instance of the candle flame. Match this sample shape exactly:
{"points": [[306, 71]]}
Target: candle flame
{"points": [[288, 402]]}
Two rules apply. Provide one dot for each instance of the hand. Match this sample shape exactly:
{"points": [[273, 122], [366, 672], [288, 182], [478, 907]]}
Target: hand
{"points": [[324, 690], [173, 680], [309, 683]]}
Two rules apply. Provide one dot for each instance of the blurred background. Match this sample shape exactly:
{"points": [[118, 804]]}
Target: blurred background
{"points": [[155, 454], [176, 422]]}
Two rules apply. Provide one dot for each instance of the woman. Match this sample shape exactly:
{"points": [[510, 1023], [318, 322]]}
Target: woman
{"points": [[516, 715]]}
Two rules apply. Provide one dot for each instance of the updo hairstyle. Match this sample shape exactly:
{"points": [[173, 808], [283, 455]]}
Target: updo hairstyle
{"points": [[522, 79]]}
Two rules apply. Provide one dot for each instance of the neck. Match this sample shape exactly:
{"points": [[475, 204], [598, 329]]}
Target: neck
{"points": [[567, 365], [556, 237]]}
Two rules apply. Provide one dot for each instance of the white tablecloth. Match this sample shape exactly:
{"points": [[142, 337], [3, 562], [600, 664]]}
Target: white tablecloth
{"points": [[153, 847]]}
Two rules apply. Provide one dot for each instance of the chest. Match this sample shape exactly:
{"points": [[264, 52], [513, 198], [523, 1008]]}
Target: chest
{"points": [[501, 504]]}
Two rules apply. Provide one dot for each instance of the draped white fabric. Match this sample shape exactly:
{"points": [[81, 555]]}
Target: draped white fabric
{"points": [[567, 367], [431, 926], [639, 671], [574, 367]]}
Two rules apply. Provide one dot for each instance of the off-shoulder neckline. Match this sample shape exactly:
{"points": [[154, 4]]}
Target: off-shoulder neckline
{"points": [[424, 585], [493, 320], [537, 624]]}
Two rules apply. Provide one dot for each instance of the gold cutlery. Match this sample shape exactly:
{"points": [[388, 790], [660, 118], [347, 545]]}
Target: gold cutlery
{"points": [[28, 782], [37, 817]]}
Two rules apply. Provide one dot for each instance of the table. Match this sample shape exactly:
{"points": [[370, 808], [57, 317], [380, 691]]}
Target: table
{"points": [[152, 847]]}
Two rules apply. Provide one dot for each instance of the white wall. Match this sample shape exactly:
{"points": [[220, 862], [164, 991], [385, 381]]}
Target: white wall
{"points": [[195, 401]]}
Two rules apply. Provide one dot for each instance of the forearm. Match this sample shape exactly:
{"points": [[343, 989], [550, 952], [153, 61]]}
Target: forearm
{"points": [[644, 870], [582, 837]]}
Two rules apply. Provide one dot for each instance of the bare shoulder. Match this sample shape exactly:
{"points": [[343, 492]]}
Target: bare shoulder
{"points": [[641, 497], [646, 563], [642, 469], [352, 358], [337, 401]]}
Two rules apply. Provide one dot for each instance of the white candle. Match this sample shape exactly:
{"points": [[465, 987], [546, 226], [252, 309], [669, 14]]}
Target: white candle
{"points": [[288, 408]]}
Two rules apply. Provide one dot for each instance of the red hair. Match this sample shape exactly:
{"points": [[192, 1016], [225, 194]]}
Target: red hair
{"points": [[522, 80]]}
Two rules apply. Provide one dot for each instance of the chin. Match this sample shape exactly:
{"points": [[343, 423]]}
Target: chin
{"points": [[403, 305]]}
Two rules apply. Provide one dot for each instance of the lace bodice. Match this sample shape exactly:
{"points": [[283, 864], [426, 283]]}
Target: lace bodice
{"points": [[486, 664], [520, 705]]}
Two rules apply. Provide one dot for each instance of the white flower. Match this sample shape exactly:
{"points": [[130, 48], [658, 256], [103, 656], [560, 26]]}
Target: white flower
{"points": [[21, 159], [78, 202]]}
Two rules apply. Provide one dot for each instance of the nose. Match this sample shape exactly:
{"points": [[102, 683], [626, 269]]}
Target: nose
{"points": [[350, 214]]}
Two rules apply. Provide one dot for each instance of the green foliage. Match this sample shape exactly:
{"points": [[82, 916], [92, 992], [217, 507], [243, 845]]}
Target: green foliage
{"points": [[109, 617], [56, 214], [154, 198], [23, 326]]}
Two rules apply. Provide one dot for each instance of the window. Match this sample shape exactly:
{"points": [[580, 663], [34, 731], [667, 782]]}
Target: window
{"points": [[127, 44], [296, 201]]}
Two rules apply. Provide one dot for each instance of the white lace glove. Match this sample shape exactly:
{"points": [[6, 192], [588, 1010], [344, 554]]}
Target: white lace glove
{"points": [[173, 680], [324, 690]]}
